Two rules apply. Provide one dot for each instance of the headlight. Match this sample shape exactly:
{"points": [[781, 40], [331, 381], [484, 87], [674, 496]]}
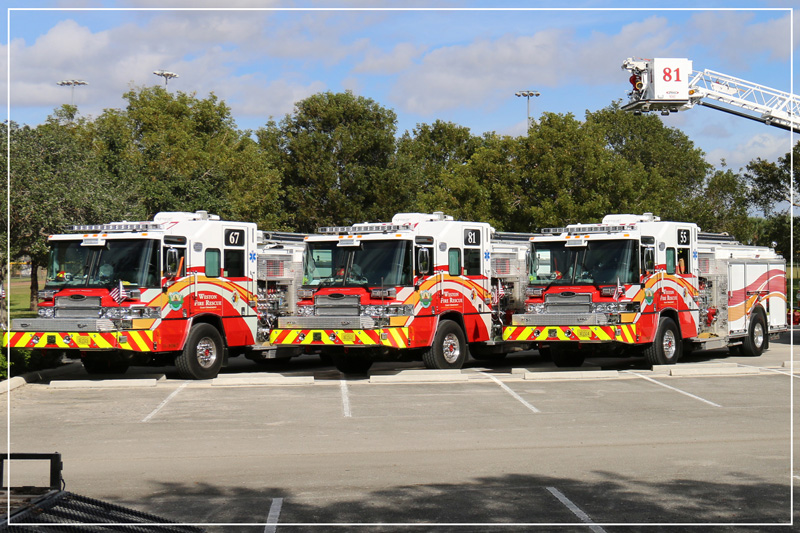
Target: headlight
{"points": [[399, 310], [373, 310], [534, 309], [535, 292], [127, 313], [46, 312], [304, 294], [305, 310], [387, 310], [605, 307]]}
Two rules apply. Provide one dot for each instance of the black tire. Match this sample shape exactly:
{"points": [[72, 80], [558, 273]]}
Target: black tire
{"points": [[202, 354], [566, 355], [667, 347], [104, 363], [753, 345], [449, 348], [352, 364], [481, 352], [544, 353]]}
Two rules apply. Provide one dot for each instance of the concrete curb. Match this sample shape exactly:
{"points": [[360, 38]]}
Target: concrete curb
{"points": [[419, 376], [260, 379], [714, 371], [103, 384], [572, 374], [584, 368], [38, 376]]}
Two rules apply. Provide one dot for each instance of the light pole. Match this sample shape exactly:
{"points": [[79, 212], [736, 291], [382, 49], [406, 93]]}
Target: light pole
{"points": [[71, 83], [166, 75], [527, 95]]}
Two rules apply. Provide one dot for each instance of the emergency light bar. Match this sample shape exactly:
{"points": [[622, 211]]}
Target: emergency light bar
{"points": [[376, 228], [584, 229], [118, 226]]}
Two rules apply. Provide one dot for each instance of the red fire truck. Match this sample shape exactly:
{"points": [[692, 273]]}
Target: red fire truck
{"points": [[186, 289], [423, 287], [635, 284]]}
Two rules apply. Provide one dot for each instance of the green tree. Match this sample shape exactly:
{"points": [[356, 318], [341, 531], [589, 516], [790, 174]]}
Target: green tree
{"points": [[334, 154], [57, 179], [430, 158], [772, 183], [670, 171], [178, 151]]}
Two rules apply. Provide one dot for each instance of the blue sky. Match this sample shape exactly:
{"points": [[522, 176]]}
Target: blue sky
{"points": [[458, 64]]}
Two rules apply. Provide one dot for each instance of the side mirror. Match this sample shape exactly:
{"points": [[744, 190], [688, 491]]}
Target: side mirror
{"points": [[172, 263]]}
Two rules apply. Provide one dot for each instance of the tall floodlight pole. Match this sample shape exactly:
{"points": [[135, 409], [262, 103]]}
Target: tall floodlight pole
{"points": [[166, 75], [71, 83], [527, 95]]}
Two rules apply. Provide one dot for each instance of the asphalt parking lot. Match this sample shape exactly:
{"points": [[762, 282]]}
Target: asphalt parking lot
{"points": [[298, 446]]}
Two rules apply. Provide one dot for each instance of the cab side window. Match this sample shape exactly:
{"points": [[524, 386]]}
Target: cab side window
{"points": [[234, 263], [472, 261], [670, 260], [454, 261]]}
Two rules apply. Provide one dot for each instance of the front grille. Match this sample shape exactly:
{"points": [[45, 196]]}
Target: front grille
{"points": [[569, 303], [67, 301], [60, 324], [341, 305]]}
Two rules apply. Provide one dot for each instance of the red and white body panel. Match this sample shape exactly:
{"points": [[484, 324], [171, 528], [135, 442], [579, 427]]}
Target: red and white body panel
{"points": [[216, 281], [399, 305], [708, 285]]}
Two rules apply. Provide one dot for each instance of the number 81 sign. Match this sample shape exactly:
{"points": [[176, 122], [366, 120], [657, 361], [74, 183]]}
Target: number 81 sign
{"points": [[670, 79]]}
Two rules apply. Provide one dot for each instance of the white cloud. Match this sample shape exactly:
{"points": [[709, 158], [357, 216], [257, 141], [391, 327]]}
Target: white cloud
{"points": [[724, 32], [476, 73], [401, 57], [768, 146]]}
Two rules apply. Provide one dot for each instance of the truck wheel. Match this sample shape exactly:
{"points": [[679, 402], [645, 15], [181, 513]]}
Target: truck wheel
{"points": [[201, 357], [753, 345], [351, 364], [666, 348], [566, 355], [449, 348]]}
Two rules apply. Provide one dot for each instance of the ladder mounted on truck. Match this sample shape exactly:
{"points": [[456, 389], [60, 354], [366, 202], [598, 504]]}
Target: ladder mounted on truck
{"points": [[670, 85]]}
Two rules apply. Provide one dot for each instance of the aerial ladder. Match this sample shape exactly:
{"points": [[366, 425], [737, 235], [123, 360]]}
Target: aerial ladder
{"points": [[670, 85]]}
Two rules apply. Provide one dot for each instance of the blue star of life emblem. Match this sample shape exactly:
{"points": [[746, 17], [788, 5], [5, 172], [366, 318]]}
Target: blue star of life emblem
{"points": [[252, 256], [487, 256]]}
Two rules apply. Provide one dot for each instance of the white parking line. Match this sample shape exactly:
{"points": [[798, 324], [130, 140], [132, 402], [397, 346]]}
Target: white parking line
{"points": [[771, 370], [511, 392], [575, 510], [345, 399], [162, 404], [676, 390], [274, 515]]}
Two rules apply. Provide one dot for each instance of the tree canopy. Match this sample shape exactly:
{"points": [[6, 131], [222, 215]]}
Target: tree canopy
{"points": [[337, 159]]}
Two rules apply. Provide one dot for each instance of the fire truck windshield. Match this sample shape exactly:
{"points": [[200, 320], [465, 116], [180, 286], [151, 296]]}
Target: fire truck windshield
{"points": [[598, 262], [370, 264], [132, 261]]}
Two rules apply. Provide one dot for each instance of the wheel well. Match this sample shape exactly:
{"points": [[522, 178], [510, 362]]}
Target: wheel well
{"points": [[673, 314], [212, 320], [455, 317]]}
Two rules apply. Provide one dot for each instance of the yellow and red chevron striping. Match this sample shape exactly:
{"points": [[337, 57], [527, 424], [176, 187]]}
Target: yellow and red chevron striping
{"points": [[137, 341], [623, 333], [391, 337]]}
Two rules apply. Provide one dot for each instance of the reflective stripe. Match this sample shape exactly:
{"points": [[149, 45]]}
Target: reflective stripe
{"points": [[138, 341], [578, 333], [394, 337]]}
